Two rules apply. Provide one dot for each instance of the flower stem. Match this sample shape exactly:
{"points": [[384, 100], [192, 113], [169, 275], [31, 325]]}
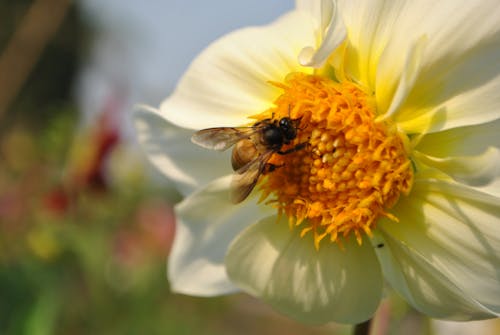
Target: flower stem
{"points": [[363, 328]]}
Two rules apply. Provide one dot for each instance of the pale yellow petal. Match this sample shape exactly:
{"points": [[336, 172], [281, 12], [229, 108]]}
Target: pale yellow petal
{"points": [[171, 151], [457, 79], [330, 32], [206, 224], [443, 255], [274, 263], [477, 170], [469, 154]]}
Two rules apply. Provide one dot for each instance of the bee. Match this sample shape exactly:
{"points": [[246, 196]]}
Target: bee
{"points": [[253, 147]]}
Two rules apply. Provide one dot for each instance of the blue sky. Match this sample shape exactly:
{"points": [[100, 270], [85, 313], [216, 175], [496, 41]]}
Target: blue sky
{"points": [[169, 33]]}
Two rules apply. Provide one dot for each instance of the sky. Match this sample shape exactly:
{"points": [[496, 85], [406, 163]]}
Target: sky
{"points": [[144, 46]]}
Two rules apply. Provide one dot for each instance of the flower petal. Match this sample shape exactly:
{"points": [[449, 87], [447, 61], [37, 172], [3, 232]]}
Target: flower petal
{"points": [[424, 287], [479, 170], [459, 73], [461, 141], [330, 31], [409, 75], [455, 146], [229, 81], [170, 150], [443, 256], [370, 28], [206, 223], [272, 262]]}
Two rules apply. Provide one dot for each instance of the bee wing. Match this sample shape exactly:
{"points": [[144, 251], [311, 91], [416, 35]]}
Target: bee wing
{"points": [[221, 138], [245, 179]]}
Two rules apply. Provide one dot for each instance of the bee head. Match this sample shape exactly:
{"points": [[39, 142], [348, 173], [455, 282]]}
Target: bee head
{"points": [[289, 127]]}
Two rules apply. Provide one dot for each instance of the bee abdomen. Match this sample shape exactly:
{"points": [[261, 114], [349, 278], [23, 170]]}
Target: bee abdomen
{"points": [[244, 152]]}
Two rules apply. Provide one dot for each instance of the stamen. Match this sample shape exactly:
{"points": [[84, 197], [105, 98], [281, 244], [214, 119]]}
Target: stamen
{"points": [[352, 170]]}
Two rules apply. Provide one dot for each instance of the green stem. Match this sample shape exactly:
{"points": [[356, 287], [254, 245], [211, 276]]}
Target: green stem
{"points": [[363, 328]]}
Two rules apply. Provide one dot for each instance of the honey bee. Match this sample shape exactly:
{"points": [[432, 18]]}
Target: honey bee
{"points": [[253, 147]]}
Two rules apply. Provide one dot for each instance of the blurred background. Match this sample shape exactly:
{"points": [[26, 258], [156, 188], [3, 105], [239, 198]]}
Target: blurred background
{"points": [[86, 224]]}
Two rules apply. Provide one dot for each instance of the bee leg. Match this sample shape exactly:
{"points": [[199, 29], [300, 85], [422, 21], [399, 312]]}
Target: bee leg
{"points": [[298, 147], [270, 167]]}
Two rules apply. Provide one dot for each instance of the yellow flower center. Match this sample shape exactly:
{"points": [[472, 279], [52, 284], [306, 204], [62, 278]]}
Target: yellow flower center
{"points": [[351, 171]]}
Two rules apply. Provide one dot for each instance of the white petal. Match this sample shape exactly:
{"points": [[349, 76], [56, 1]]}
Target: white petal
{"points": [[229, 81], [458, 79], [272, 262], [443, 255], [331, 31], [409, 75], [206, 223], [460, 74], [460, 143], [370, 27], [479, 170], [424, 287], [492, 188], [171, 151], [467, 95]]}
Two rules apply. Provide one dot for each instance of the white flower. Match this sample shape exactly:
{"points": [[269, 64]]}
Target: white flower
{"points": [[399, 104]]}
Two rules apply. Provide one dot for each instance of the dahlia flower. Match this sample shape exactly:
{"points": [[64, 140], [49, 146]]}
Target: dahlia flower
{"points": [[398, 104]]}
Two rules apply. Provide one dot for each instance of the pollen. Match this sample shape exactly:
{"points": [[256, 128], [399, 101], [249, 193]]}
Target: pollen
{"points": [[351, 170]]}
